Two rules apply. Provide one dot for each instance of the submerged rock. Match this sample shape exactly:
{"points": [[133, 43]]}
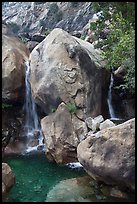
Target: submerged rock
{"points": [[111, 156], [72, 190]]}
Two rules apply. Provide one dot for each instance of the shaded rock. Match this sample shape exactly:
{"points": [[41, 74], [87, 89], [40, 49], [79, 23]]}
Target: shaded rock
{"points": [[76, 34], [66, 68], [107, 123], [120, 72], [31, 44], [15, 147], [62, 133], [118, 193], [111, 157], [129, 105], [4, 193], [38, 38], [6, 30], [12, 128]]}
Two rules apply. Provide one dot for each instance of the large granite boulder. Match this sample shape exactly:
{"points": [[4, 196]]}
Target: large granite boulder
{"points": [[109, 155], [66, 68], [62, 131], [14, 53], [8, 180]]}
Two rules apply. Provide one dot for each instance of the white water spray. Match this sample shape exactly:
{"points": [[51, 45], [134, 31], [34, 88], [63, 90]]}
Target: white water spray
{"points": [[109, 100], [32, 126]]}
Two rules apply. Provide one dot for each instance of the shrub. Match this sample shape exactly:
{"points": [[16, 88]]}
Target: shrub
{"points": [[6, 106], [47, 32], [71, 108], [119, 45]]}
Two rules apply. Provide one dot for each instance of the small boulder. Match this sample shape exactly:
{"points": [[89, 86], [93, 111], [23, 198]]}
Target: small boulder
{"points": [[107, 123], [94, 123]]}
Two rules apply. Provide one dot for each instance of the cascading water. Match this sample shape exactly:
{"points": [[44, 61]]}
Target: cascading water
{"points": [[32, 126], [109, 100]]}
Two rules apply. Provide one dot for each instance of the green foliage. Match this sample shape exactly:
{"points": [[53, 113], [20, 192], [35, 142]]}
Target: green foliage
{"points": [[6, 106], [71, 108], [82, 37], [47, 32], [119, 46]]}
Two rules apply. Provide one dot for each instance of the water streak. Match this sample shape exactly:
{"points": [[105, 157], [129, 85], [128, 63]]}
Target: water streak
{"points": [[32, 126], [109, 100]]}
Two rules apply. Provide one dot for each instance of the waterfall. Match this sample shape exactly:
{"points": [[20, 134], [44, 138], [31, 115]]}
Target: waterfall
{"points": [[109, 100], [32, 126]]}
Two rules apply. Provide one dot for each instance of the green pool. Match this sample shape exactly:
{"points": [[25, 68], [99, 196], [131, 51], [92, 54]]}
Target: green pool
{"points": [[38, 180]]}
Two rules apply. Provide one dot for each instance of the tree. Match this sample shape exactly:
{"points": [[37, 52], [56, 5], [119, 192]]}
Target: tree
{"points": [[116, 27]]}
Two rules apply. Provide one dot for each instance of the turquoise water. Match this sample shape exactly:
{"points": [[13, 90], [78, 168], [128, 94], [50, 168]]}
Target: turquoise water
{"points": [[35, 176], [38, 180]]}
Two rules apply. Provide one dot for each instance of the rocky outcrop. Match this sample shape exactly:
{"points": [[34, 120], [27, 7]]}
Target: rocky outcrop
{"points": [[109, 155], [62, 131], [66, 68], [14, 53], [8, 180], [39, 16]]}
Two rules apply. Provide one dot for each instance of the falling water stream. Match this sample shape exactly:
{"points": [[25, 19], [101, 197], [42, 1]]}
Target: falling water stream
{"points": [[32, 126], [112, 113], [109, 100]]}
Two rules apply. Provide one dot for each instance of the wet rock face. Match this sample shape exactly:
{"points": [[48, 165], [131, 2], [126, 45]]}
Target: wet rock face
{"points": [[110, 156], [65, 68], [12, 128]]}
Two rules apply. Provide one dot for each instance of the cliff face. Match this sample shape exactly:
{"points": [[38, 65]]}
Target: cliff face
{"points": [[35, 17]]}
